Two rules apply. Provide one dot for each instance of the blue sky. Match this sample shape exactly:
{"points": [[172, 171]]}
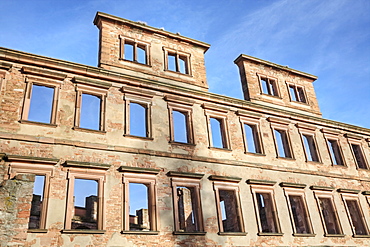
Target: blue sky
{"points": [[330, 39]]}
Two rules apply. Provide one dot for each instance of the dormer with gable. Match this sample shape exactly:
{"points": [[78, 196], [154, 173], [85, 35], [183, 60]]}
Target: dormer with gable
{"points": [[277, 86], [142, 51]]}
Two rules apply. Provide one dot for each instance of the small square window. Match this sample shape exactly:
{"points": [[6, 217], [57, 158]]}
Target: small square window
{"points": [[268, 86], [297, 93], [177, 62], [134, 51], [40, 102]]}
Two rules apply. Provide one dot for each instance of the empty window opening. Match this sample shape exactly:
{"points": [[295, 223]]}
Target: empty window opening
{"points": [[229, 211], [129, 51], [41, 104], [85, 215], [266, 211], [310, 148], [269, 86], [138, 120], [356, 218], [359, 156], [171, 62], [329, 216], [282, 144], [187, 209], [335, 154], [182, 65], [141, 54], [217, 134], [36, 204], [90, 112], [138, 207], [297, 94], [180, 126], [299, 214], [252, 139]]}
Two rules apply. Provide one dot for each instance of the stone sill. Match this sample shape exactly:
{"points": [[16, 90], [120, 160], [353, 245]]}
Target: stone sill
{"points": [[82, 231], [335, 235], [220, 149], [189, 233], [182, 143], [270, 234], [37, 230], [178, 73], [89, 130], [304, 235], [285, 158], [140, 137], [361, 236], [134, 62], [141, 232], [255, 154], [38, 123], [232, 233]]}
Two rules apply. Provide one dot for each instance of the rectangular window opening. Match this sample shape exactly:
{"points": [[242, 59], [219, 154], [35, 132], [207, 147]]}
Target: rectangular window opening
{"points": [[310, 148], [252, 138], [359, 156], [139, 207], [268, 86], [138, 120], [299, 214], [297, 93], [335, 152], [266, 213], [129, 51], [355, 214], [171, 62], [37, 202], [282, 144], [229, 211], [329, 216], [187, 209], [41, 103], [85, 211], [217, 133], [180, 125], [141, 54], [90, 112]]}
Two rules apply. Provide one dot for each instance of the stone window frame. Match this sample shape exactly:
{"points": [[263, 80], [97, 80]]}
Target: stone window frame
{"points": [[334, 136], [274, 83], [261, 186], [309, 130], [178, 55], [193, 180], [291, 189], [354, 140], [88, 171], [101, 93], [219, 114], [46, 82], [147, 176], [295, 87], [327, 192], [136, 44], [3, 75], [185, 107], [348, 194], [282, 125], [143, 98], [255, 121], [36, 166], [230, 184]]}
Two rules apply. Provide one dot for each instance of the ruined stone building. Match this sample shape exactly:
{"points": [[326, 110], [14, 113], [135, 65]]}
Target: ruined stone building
{"points": [[137, 152]]}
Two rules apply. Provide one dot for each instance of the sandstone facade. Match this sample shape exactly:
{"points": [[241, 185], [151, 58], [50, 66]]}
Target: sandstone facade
{"points": [[276, 173]]}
